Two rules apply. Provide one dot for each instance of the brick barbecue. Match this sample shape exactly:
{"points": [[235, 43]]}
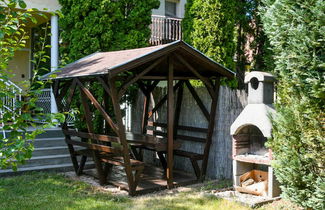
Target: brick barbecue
{"points": [[251, 130]]}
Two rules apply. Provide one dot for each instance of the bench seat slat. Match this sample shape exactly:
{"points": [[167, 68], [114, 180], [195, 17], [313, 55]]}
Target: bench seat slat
{"points": [[109, 158], [93, 136], [100, 148]]}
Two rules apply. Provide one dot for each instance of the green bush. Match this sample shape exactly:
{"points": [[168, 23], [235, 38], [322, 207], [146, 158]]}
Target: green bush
{"points": [[17, 145], [296, 30]]}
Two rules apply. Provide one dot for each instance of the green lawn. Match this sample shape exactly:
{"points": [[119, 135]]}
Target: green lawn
{"points": [[54, 191]]}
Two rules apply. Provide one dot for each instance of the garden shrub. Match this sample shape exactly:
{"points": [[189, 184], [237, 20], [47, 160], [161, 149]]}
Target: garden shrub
{"points": [[17, 144], [296, 30]]}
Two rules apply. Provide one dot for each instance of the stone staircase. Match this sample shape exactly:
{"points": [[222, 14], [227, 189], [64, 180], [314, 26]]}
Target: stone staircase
{"points": [[50, 154]]}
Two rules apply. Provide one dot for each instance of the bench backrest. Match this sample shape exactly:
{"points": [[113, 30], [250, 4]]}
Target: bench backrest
{"points": [[97, 142], [152, 130]]}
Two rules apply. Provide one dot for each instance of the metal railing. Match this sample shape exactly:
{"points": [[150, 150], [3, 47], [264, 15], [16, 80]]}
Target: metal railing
{"points": [[165, 29], [9, 102], [44, 102]]}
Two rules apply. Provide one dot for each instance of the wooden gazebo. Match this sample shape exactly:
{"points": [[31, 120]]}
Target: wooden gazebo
{"points": [[176, 63]]}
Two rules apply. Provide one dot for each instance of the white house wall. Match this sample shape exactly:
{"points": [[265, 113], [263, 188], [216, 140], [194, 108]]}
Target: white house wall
{"points": [[50, 5], [180, 10]]}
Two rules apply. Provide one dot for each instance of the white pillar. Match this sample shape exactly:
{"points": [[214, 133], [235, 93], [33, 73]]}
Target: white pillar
{"points": [[54, 54]]}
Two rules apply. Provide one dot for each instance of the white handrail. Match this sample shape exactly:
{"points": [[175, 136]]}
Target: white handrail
{"points": [[9, 103], [165, 29]]}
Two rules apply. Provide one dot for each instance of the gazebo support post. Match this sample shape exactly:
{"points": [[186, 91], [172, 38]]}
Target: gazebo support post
{"points": [[198, 100], [146, 104], [122, 137], [178, 107], [210, 128], [170, 124]]}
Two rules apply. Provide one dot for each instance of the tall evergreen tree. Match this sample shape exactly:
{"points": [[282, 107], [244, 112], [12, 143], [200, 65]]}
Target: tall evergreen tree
{"points": [[252, 44], [104, 25], [226, 30], [210, 27], [89, 26], [296, 30]]}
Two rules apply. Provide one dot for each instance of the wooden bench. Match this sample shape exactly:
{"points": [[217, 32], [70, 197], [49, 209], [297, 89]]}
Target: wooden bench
{"points": [[193, 156], [100, 148]]}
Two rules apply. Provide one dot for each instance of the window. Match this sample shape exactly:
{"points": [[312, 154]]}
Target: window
{"points": [[170, 8]]}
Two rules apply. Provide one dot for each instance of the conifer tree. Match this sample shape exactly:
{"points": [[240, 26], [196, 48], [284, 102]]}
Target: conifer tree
{"points": [[210, 27], [296, 30]]}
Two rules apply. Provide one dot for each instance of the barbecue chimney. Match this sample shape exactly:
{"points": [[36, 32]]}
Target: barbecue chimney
{"points": [[251, 129]]}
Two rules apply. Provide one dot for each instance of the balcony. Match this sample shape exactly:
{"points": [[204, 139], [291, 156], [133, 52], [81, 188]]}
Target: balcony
{"points": [[165, 30]]}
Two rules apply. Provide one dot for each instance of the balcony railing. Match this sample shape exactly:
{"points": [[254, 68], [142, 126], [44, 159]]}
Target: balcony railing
{"points": [[165, 30]]}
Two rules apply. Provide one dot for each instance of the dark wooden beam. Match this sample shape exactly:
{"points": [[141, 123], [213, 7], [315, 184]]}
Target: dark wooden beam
{"points": [[55, 86], [98, 106], [89, 123], [198, 100], [163, 100], [70, 96], [121, 134], [142, 87], [137, 77], [170, 120], [196, 73], [146, 104], [179, 101], [104, 84], [63, 92], [153, 85], [210, 129]]}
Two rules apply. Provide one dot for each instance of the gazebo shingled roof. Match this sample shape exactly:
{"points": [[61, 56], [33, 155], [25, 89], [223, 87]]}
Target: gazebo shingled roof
{"points": [[115, 62], [176, 61]]}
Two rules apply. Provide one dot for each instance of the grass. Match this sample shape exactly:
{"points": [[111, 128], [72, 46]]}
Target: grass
{"points": [[54, 191]]}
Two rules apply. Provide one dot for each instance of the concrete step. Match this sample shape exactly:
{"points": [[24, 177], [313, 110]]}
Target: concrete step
{"points": [[49, 133], [60, 150], [52, 133], [43, 151], [57, 168], [47, 160], [49, 142]]}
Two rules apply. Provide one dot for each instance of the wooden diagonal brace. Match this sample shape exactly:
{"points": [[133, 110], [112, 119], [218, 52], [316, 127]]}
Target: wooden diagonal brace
{"points": [[98, 106]]}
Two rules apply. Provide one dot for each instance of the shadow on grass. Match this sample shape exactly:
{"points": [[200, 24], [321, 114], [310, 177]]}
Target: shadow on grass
{"points": [[54, 191]]}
